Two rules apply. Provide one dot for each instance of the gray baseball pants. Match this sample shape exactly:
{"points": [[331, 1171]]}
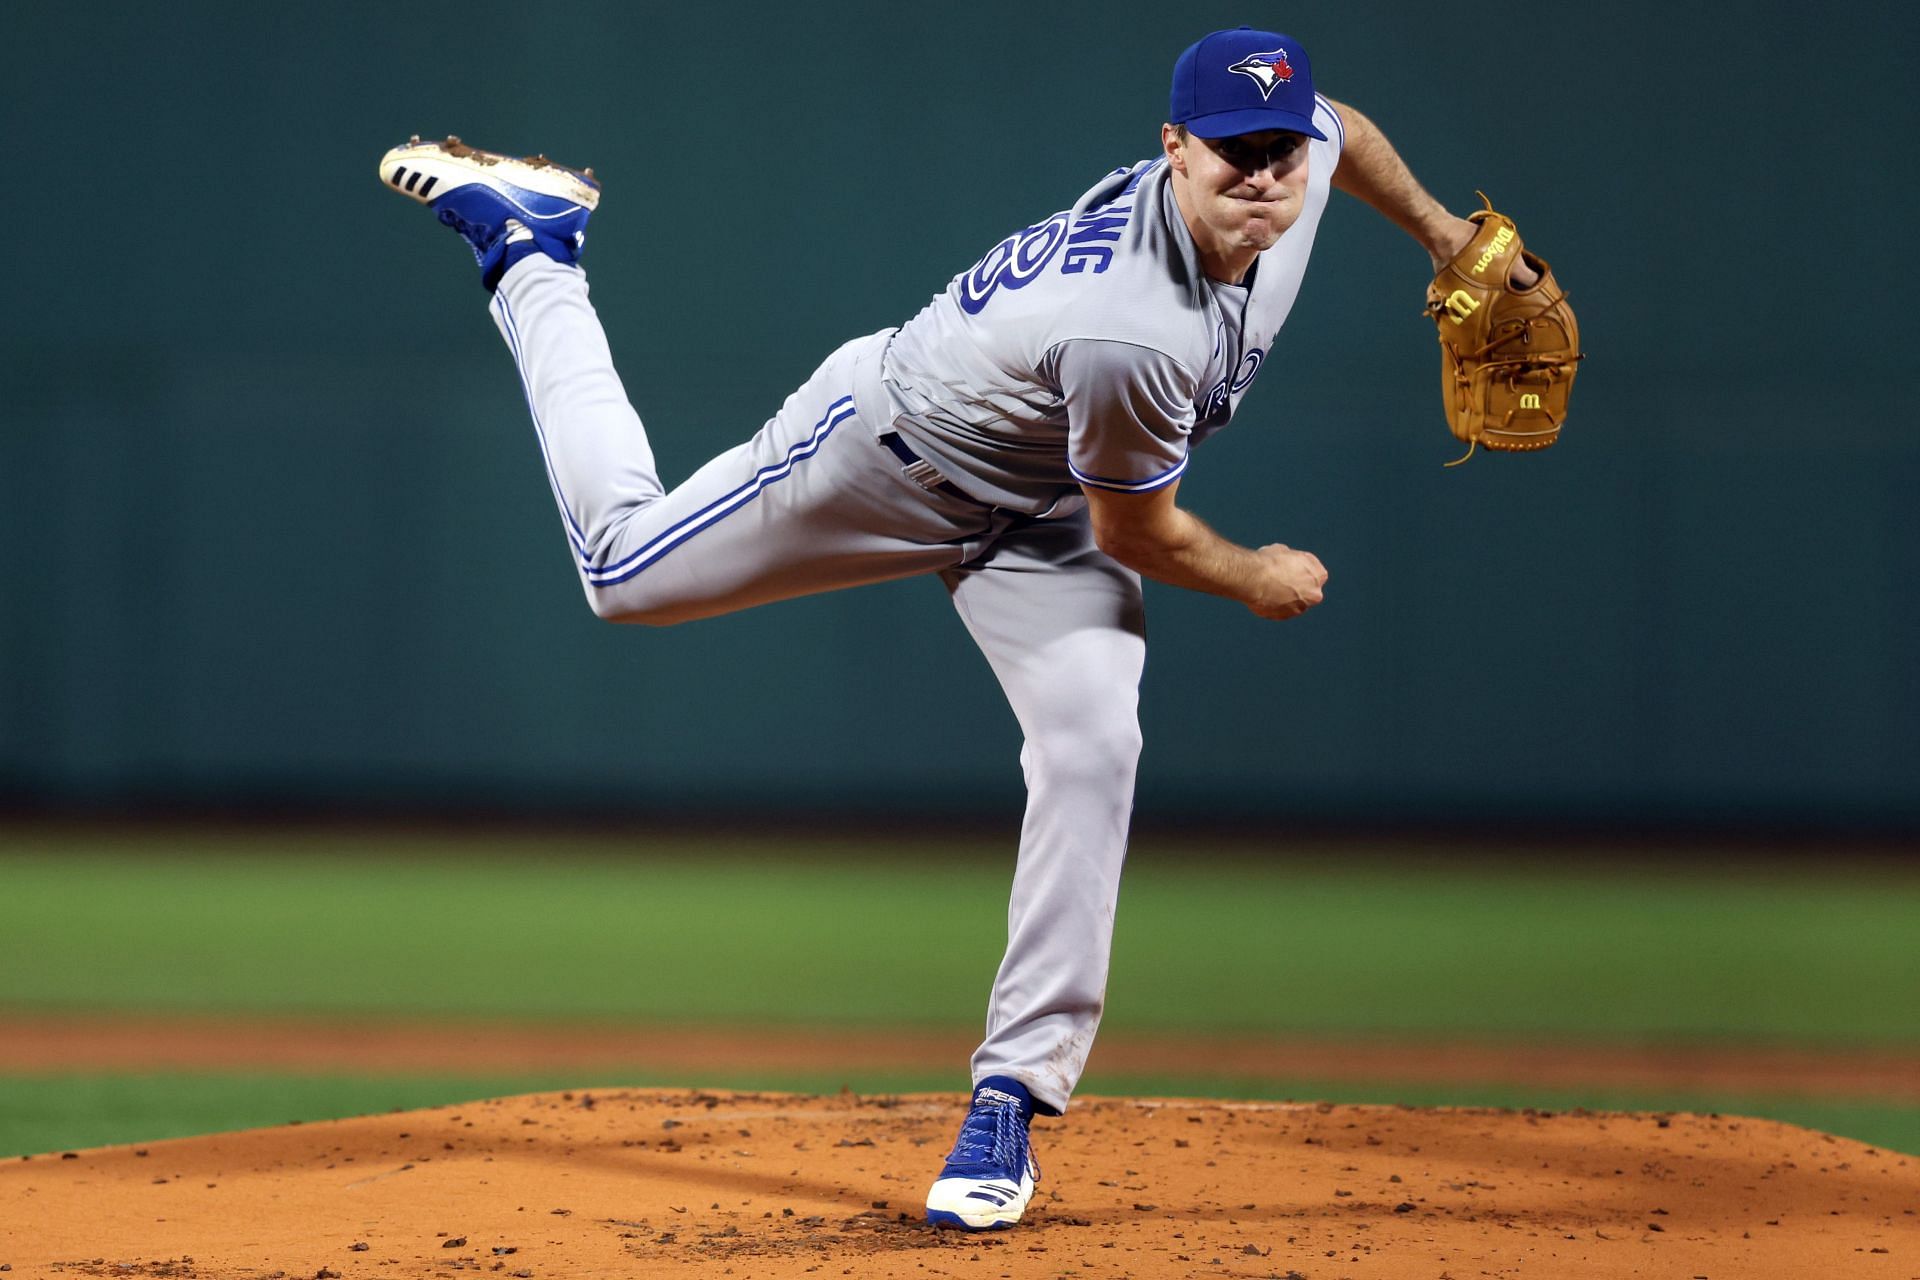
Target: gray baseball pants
{"points": [[813, 502]]}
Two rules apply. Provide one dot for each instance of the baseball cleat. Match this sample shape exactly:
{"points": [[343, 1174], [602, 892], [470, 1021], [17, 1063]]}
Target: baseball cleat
{"points": [[483, 195], [990, 1175]]}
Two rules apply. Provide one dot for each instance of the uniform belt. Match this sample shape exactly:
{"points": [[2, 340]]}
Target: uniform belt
{"points": [[922, 472]]}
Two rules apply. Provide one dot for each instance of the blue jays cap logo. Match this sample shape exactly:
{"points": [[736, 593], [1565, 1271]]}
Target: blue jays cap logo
{"points": [[1268, 70]]}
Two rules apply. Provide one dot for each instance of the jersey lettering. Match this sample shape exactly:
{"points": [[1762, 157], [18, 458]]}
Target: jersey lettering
{"points": [[1248, 371], [1095, 225], [1220, 395], [1018, 260], [1214, 401], [1014, 263]]}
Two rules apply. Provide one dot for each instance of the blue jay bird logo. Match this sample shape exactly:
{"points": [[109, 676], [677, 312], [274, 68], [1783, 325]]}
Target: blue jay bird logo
{"points": [[1268, 70]]}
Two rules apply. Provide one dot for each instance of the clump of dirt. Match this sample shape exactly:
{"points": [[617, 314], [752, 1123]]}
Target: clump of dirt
{"points": [[612, 1183]]}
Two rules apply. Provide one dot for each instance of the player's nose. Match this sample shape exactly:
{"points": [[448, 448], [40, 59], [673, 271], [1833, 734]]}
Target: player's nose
{"points": [[1270, 167], [1258, 184]]}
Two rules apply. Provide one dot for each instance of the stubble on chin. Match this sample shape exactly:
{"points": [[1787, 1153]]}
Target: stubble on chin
{"points": [[1275, 222], [1262, 231]]}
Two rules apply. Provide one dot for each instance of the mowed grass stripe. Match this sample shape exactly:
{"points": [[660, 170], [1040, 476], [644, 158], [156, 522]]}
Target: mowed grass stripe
{"points": [[802, 931]]}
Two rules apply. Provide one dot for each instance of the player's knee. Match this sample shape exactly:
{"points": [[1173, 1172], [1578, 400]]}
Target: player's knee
{"points": [[1096, 749], [616, 606]]}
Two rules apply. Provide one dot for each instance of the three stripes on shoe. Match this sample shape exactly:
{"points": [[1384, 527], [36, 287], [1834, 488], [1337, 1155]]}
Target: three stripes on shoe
{"points": [[426, 188]]}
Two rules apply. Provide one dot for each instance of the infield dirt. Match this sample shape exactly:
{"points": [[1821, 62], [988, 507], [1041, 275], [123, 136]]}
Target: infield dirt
{"points": [[646, 1183]]}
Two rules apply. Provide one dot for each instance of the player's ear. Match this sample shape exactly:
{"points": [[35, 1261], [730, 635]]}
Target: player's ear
{"points": [[1173, 139]]}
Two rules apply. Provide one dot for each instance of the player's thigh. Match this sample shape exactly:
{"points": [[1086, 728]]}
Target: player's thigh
{"points": [[813, 502], [1063, 626]]}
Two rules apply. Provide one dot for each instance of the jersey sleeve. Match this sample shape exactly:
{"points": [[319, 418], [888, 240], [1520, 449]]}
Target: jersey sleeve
{"points": [[1330, 124], [1129, 413]]}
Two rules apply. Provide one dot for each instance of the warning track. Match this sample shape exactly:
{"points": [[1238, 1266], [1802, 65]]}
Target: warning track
{"points": [[31, 1042]]}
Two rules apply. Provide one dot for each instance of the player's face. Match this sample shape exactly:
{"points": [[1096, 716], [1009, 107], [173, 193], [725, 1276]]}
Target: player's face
{"points": [[1243, 191]]}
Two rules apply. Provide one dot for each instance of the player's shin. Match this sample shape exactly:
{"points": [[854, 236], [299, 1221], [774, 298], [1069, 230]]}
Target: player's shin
{"points": [[598, 461]]}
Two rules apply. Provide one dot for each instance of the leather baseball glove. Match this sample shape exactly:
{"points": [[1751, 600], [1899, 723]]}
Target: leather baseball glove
{"points": [[1507, 354]]}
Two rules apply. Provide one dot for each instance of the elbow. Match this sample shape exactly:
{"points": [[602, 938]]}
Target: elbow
{"points": [[1108, 535], [1138, 544], [1124, 544], [1137, 529]]}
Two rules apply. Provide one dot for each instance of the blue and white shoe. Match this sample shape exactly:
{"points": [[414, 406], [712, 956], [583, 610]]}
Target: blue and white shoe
{"points": [[484, 196], [990, 1175]]}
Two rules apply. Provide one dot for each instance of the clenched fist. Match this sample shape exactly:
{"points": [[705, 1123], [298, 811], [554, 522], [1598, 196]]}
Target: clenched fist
{"points": [[1291, 582]]}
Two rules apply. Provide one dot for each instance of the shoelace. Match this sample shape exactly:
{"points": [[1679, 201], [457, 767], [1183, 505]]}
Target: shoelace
{"points": [[473, 232], [994, 1134]]}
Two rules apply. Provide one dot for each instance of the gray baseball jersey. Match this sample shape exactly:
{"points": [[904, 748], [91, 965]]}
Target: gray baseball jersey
{"points": [[1091, 348]]}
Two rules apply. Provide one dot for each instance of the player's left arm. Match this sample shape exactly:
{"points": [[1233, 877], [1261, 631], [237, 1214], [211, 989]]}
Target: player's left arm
{"points": [[1370, 170]]}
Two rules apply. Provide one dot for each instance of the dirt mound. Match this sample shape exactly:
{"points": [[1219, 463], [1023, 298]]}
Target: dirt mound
{"points": [[644, 1183]]}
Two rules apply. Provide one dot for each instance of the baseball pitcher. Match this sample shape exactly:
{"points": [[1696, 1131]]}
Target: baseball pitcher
{"points": [[1023, 438]]}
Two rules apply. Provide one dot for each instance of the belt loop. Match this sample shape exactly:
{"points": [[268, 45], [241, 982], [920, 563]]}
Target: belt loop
{"points": [[924, 473], [921, 472], [913, 466]]}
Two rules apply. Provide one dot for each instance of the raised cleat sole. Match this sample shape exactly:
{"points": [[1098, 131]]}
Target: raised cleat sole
{"points": [[426, 170]]}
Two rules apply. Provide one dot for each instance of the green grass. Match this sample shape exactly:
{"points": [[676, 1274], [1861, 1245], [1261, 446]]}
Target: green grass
{"points": [[753, 931], [61, 1113], [804, 931]]}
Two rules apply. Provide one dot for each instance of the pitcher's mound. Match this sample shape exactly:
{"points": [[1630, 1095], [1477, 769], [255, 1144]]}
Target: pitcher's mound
{"points": [[649, 1183]]}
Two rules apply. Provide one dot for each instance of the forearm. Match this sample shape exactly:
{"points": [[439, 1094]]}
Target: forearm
{"points": [[1151, 535], [1181, 550], [1370, 170]]}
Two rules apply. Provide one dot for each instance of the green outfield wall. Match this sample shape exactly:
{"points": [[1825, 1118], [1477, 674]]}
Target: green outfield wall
{"points": [[274, 527]]}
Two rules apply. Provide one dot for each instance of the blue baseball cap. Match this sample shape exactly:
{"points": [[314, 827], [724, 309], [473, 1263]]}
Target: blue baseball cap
{"points": [[1243, 81]]}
